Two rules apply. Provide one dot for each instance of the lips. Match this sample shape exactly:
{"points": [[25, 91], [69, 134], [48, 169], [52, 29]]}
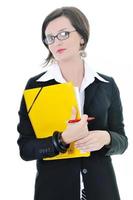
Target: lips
{"points": [[60, 50]]}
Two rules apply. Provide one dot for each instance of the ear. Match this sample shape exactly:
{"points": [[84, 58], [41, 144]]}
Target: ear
{"points": [[82, 41]]}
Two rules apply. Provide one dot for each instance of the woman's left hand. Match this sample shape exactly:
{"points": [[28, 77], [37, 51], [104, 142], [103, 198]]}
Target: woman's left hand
{"points": [[94, 141]]}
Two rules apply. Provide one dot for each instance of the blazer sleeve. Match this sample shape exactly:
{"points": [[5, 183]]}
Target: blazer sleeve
{"points": [[119, 141], [30, 147]]}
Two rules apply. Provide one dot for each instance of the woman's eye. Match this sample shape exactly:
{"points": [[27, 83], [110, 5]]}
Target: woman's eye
{"points": [[50, 38], [64, 34]]}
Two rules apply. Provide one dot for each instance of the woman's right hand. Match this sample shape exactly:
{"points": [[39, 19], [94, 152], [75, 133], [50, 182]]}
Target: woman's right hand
{"points": [[77, 130]]}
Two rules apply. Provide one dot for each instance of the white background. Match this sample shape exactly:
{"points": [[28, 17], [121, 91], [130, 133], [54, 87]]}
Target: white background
{"points": [[21, 55]]}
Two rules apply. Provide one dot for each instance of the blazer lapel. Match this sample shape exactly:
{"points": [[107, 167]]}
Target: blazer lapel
{"points": [[90, 92]]}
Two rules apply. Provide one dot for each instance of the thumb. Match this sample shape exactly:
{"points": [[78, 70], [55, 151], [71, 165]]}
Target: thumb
{"points": [[73, 113]]}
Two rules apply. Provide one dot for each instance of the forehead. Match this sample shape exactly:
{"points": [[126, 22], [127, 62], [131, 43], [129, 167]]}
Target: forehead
{"points": [[58, 24]]}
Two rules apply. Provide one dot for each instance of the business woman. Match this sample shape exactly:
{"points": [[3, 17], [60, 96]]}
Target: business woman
{"points": [[65, 33]]}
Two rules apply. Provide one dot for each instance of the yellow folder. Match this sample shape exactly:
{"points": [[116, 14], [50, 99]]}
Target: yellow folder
{"points": [[49, 108]]}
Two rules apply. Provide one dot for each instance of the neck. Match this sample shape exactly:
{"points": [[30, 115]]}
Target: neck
{"points": [[71, 64], [72, 70]]}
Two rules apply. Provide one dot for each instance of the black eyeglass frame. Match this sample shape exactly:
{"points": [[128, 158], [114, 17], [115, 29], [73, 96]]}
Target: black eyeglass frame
{"points": [[57, 36]]}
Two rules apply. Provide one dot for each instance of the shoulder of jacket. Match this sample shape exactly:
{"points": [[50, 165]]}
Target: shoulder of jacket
{"points": [[34, 78], [31, 83], [111, 82], [108, 78]]}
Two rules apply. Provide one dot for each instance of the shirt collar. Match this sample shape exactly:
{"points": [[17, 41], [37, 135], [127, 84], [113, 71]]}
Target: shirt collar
{"points": [[53, 72]]}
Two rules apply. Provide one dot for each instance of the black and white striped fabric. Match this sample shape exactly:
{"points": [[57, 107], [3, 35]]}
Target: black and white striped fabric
{"points": [[82, 190], [83, 195]]}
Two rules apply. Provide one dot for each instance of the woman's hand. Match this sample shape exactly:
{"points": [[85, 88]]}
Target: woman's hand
{"points": [[94, 141], [77, 130]]}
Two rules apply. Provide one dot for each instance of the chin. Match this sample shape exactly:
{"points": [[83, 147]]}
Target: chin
{"points": [[63, 58]]}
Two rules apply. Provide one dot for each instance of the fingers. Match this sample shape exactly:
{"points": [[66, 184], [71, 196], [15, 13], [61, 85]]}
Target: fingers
{"points": [[90, 148], [73, 113], [84, 117], [82, 141], [92, 142]]}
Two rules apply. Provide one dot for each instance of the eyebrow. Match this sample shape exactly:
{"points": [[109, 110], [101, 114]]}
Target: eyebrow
{"points": [[58, 31], [62, 29]]}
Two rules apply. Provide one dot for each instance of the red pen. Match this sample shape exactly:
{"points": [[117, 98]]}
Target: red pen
{"points": [[77, 120]]}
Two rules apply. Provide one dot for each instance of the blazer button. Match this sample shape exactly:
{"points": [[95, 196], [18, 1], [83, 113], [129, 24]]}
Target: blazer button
{"points": [[84, 171]]}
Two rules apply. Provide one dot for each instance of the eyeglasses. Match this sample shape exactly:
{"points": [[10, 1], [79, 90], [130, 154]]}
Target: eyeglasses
{"points": [[50, 39]]}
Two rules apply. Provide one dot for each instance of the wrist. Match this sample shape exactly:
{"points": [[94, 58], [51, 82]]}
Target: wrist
{"points": [[65, 138], [58, 142], [108, 138]]}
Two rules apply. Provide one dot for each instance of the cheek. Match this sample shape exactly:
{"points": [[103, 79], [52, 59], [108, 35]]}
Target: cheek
{"points": [[53, 51], [75, 47], [75, 44]]}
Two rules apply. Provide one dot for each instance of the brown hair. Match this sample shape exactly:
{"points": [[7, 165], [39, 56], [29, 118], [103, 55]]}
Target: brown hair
{"points": [[77, 19]]}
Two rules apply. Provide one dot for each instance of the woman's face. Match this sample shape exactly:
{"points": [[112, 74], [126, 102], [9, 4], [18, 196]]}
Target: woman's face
{"points": [[66, 49]]}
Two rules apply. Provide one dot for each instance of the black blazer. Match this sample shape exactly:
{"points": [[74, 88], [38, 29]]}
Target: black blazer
{"points": [[60, 179]]}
